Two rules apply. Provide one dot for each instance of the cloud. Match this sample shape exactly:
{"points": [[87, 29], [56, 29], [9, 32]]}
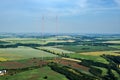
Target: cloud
{"points": [[81, 3], [57, 7], [117, 1]]}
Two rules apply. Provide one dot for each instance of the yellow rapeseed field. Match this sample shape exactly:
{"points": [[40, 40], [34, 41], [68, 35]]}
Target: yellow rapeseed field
{"points": [[3, 59], [98, 53]]}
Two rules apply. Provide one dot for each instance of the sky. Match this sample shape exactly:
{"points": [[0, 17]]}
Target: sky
{"points": [[74, 16]]}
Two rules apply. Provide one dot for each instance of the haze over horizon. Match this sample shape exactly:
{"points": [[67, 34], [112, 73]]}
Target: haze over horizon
{"points": [[74, 16]]}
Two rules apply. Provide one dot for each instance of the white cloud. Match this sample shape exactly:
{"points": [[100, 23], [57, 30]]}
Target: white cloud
{"points": [[60, 7], [117, 1], [81, 3]]}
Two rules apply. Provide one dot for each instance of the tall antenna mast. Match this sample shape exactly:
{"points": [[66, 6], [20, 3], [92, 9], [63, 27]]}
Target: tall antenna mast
{"points": [[56, 29], [42, 32], [56, 24]]}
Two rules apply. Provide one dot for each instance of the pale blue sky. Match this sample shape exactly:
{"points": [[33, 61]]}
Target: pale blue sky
{"points": [[74, 16]]}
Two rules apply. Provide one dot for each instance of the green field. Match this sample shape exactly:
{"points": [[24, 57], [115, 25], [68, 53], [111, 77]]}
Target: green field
{"points": [[79, 49], [24, 40], [104, 70], [116, 74], [36, 74], [33, 40], [88, 57], [27, 57], [22, 53]]}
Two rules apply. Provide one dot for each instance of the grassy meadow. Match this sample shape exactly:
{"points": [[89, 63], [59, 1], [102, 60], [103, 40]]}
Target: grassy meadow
{"points": [[34, 40], [79, 49], [44, 73], [91, 57], [22, 53], [88, 57]]}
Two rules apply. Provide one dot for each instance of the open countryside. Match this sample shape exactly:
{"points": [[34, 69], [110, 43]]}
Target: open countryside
{"points": [[82, 59], [59, 39]]}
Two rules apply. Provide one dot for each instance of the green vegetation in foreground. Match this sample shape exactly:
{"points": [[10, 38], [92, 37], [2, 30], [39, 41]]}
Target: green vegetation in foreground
{"points": [[116, 74], [22, 53], [70, 73], [79, 49], [44, 73], [88, 57], [104, 70]]}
